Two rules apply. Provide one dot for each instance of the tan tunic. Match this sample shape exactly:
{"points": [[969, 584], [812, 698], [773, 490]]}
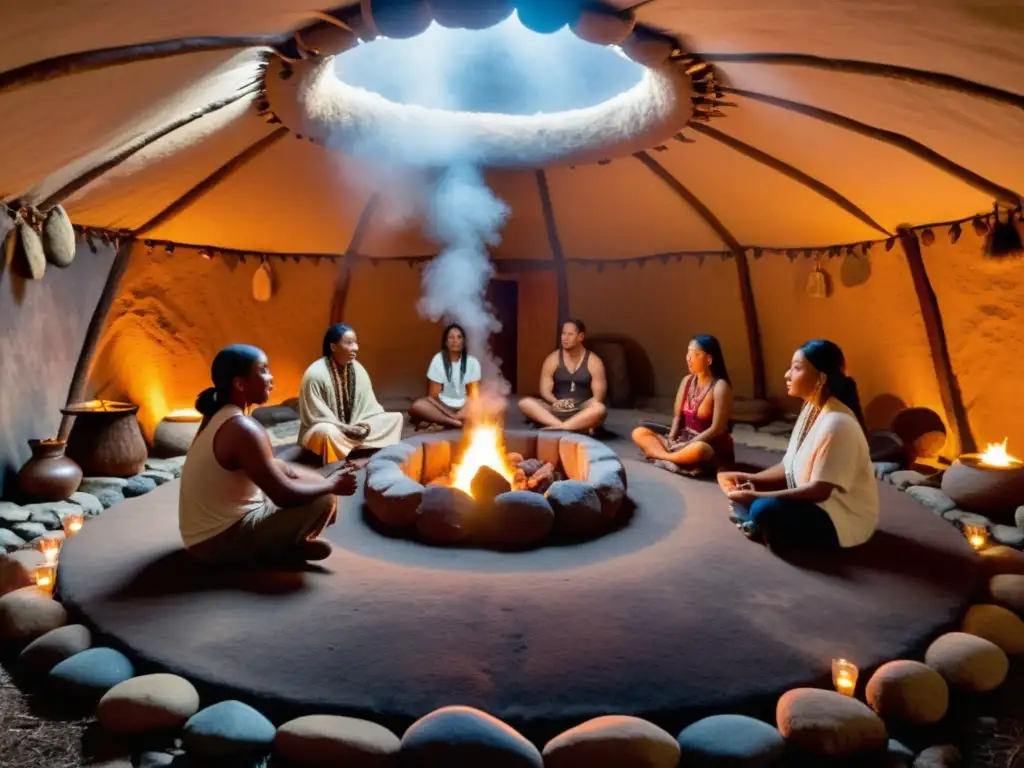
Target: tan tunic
{"points": [[321, 415]]}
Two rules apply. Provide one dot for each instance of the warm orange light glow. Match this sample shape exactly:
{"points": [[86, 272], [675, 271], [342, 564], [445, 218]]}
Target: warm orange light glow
{"points": [[977, 535], [486, 448], [996, 455], [844, 676], [73, 524], [46, 575], [50, 548], [102, 405], [184, 414]]}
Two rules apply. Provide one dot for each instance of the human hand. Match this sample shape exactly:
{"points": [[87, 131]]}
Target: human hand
{"points": [[732, 481], [742, 496], [344, 483], [364, 430]]}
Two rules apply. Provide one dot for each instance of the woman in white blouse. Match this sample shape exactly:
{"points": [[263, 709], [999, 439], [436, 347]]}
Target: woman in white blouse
{"points": [[453, 378], [824, 493]]}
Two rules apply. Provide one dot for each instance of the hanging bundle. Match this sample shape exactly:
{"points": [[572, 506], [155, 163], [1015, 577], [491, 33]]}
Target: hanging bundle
{"points": [[817, 282], [23, 247], [59, 238], [1004, 237]]}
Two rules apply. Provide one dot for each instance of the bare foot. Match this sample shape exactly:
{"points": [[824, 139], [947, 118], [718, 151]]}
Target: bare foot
{"points": [[315, 549]]}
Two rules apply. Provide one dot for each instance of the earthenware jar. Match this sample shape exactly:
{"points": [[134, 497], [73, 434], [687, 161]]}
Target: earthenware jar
{"points": [[106, 440], [49, 475]]}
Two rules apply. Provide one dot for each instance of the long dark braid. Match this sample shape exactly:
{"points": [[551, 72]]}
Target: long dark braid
{"points": [[344, 378], [446, 359]]}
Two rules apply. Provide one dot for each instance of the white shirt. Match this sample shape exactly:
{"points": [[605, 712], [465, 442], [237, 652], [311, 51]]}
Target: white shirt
{"points": [[836, 451], [453, 393]]}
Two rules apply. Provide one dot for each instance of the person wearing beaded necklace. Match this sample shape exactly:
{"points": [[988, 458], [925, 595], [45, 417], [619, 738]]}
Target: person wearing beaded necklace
{"points": [[823, 494], [698, 440], [338, 411]]}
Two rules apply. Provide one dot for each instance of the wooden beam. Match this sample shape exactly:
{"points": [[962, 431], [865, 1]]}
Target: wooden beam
{"points": [[211, 181], [140, 143], [344, 278], [949, 387], [103, 58], [873, 69], [87, 355], [557, 254], [1006, 196], [788, 170], [742, 268]]}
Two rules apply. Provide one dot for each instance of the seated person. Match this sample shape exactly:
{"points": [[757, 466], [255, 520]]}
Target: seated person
{"points": [[572, 386], [338, 411], [453, 378], [823, 494], [238, 503], [699, 436]]}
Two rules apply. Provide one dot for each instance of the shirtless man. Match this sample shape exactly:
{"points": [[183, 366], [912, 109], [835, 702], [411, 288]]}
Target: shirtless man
{"points": [[572, 386]]}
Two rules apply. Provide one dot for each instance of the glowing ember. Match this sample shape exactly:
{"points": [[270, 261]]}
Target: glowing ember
{"points": [[486, 448], [995, 455]]}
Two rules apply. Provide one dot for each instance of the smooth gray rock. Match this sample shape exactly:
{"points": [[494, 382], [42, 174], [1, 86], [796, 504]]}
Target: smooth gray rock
{"points": [[91, 673], [29, 531], [228, 729], [1018, 517], [1010, 535], [944, 756], [898, 755], [11, 513], [10, 541], [138, 486], [45, 517], [933, 498], [49, 650], [905, 478], [157, 476], [172, 465], [885, 468], [731, 740], [522, 518], [94, 484], [460, 737], [966, 518], [108, 497], [576, 506], [89, 503]]}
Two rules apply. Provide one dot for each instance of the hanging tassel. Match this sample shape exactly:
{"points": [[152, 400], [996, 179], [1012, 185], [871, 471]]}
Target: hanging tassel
{"points": [[890, 243], [954, 233], [980, 226], [1004, 238]]}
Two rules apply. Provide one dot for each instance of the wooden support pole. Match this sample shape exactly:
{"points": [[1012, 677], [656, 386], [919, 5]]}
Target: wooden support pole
{"points": [[949, 387], [211, 181], [873, 69], [557, 254], [87, 355], [344, 278], [788, 170], [742, 268], [103, 58], [1006, 196], [139, 144]]}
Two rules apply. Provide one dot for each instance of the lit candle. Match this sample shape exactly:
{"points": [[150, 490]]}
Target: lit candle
{"points": [[844, 676], [46, 575], [977, 535], [73, 524], [50, 547]]}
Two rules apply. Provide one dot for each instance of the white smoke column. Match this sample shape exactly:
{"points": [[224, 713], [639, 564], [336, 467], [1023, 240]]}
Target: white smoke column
{"points": [[467, 217]]}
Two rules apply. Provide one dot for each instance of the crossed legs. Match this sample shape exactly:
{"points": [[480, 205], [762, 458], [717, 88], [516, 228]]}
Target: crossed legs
{"points": [[654, 447], [589, 417], [434, 411]]}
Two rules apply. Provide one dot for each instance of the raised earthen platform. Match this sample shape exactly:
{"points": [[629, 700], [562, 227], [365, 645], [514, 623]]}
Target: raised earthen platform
{"points": [[674, 617]]}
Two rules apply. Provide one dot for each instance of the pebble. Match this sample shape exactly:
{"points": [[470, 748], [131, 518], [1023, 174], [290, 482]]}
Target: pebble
{"points": [[108, 497], [1008, 589], [45, 517], [611, 741], [10, 541], [89, 503], [933, 498], [149, 703], [172, 466], [11, 513], [885, 468], [228, 729], [29, 531], [49, 650], [966, 518], [945, 756], [17, 569], [1018, 517], [906, 478], [91, 673], [157, 476], [1010, 535], [138, 486], [95, 484], [27, 613]]}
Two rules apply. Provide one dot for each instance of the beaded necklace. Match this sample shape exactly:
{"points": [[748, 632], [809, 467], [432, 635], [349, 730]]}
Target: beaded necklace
{"points": [[344, 387], [695, 398], [808, 416]]}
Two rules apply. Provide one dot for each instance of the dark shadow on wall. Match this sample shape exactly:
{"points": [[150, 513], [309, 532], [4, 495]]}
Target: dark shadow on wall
{"points": [[42, 327], [628, 367]]}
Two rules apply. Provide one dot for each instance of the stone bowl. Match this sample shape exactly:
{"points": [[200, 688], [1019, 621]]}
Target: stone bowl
{"points": [[977, 487], [585, 501]]}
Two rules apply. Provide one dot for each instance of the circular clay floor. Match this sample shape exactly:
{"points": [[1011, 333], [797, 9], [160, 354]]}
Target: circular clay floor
{"points": [[674, 617]]}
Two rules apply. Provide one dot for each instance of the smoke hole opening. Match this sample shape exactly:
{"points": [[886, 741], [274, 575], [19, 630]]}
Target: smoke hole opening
{"points": [[505, 69]]}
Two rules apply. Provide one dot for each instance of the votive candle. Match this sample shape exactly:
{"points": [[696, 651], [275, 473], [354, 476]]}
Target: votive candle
{"points": [[844, 676]]}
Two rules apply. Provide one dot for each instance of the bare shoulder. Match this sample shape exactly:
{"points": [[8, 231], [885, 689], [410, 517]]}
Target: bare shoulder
{"points": [[551, 359], [723, 388], [594, 362]]}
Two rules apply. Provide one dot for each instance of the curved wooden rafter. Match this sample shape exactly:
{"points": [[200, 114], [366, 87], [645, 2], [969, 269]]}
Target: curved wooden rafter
{"points": [[793, 173], [344, 278], [211, 181], [557, 254], [1005, 196], [742, 269], [104, 58], [140, 143], [873, 69]]}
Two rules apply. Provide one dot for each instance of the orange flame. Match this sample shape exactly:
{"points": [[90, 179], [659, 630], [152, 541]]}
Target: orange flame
{"points": [[485, 448], [996, 455]]}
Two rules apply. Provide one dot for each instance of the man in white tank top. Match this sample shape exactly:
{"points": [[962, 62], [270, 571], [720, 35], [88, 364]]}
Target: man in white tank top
{"points": [[237, 502]]}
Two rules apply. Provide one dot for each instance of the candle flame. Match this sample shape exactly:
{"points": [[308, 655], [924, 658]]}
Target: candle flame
{"points": [[485, 449], [996, 455]]}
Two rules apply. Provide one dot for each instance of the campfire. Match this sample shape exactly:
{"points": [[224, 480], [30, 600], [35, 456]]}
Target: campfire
{"points": [[996, 455], [485, 448], [990, 482], [485, 469]]}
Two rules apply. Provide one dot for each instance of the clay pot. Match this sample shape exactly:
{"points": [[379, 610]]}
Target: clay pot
{"points": [[49, 475], [993, 491], [107, 442]]}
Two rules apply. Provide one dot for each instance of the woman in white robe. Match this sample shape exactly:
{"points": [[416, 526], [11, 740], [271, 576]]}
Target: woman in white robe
{"points": [[338, 410]]}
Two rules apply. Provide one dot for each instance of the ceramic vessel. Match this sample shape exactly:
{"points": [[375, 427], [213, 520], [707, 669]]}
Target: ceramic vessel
{"points": [[106, 440], [49, 475]]}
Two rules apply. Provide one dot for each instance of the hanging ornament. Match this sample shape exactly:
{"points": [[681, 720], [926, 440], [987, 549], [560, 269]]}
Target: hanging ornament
{"points": [[980, 226], [954, 232], [263, 282], [890, 243], [791, 256], [1004, 238], [927, 237], [817, 282]]}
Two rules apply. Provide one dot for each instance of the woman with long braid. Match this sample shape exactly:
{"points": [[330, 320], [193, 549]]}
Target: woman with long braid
{"points": [[823, 494], [338, 410]]}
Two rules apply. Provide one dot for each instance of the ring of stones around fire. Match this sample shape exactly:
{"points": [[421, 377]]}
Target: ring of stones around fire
{"points": [[570, 486]]}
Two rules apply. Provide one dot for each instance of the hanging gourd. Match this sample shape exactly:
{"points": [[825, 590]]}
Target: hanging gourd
{"points": [[25, 247], [263, 282], [59, 238]]}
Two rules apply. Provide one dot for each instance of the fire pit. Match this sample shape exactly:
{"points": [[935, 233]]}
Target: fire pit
{"points": [[991, 482], [497, 488], [106, 440]]}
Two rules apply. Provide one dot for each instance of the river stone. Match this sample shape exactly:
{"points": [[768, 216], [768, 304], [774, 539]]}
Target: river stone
{"points": [[157, 476], [10, 541], [609, 480], [392, 496], [1010, 535], [172, 465], [885, 468], [463, 737], [576, 506], [487, 485], [1001, 559], [11, 513], [905, 478], [228, 729], [968, 662], [18, 569], [148, 703], [1008, 589], [522, 518], [94, 484], [612, 741], [88, 502], [908, 691], [108, 497], [731, 740], [90, 674], [138, 486], [446, 515], [28, 613], [944, 756], [965, 518], [29, 531], [829, 723], [1018, 517], [933, 498], [49, 650], [997, 625], [45, 517], [334, 740]]}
